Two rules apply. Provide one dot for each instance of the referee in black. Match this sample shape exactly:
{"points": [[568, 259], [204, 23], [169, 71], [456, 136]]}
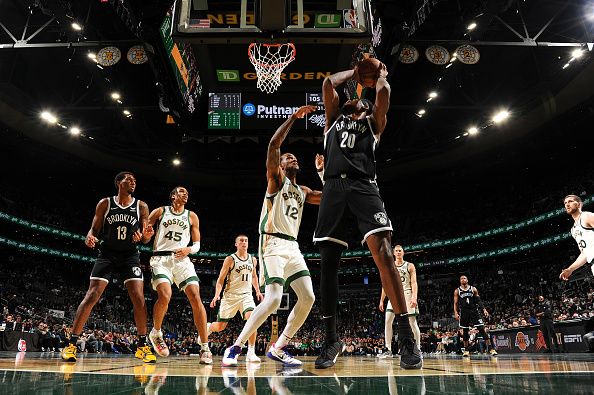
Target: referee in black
{"points": [[545, 316]]}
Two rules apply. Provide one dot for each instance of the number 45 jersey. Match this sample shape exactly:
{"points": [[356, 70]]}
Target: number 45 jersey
{"points": [[173, 231], [281, 211]]}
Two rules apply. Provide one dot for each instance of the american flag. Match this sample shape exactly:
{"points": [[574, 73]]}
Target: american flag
{"points": [[203, 23]]}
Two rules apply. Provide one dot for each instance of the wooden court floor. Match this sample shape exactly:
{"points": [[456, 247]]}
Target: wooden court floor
{"points": [[45, 373]]}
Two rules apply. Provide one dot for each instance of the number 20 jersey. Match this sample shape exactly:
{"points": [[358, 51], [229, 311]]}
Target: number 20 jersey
{"points": [[281, 211], [349, 148]]}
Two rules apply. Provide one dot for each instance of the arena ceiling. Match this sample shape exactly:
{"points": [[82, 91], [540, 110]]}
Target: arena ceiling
{"points": [[527, 67]]}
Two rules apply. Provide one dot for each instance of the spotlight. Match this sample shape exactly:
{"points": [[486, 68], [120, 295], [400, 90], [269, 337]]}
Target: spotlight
{"points": [[566, 65], [472, 130], [176, 162], [115, 96], [500, 116], [76, 26], [49, 117], [74, 131], [433, 94], [421, 111], [126, 112], [92, 56], [472, 26], [577, 53]]}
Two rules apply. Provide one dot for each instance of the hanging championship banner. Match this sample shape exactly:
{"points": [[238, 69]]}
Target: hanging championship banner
{"points": [[467, 54], [408, 54], [136, 55], [109, 56], [437, 54]]}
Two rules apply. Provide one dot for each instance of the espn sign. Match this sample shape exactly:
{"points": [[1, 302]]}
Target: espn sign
{"points": [[572, 338]]}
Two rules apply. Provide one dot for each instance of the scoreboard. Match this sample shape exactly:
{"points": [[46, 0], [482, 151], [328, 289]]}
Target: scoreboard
{"points": [[254, 111]]}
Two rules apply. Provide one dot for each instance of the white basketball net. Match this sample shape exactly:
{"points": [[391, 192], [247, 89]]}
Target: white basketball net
{"points": [[270, 60]]}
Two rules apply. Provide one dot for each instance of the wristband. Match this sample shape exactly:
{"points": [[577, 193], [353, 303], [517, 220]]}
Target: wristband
{"points": [[195, 247]]}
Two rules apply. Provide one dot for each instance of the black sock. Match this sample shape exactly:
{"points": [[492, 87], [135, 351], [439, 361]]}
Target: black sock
{"points": [[330, 259], [73, 340], [404, 329], [141, 340]]}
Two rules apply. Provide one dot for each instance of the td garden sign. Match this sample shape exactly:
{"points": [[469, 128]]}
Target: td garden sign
{"points": [[236, 75]]}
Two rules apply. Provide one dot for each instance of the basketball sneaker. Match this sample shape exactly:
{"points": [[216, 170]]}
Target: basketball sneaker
{"points": [[156, 338], [466, 354], [493, 352], [145, 353], [410, 355], [252, 357], [230, 356], [328, 355], [206, 357], [282, 356], [385, 354], [69, 353]]}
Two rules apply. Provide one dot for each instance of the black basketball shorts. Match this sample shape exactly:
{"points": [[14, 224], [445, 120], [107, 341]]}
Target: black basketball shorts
{"points": [[126, 266], [470, 319], [344, 196]]}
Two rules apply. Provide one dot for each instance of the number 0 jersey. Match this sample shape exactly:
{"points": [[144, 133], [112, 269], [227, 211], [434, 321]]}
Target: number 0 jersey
{"points": [[119, 224], [173, 231], [281, 211], [584, 237], [239, 277]]}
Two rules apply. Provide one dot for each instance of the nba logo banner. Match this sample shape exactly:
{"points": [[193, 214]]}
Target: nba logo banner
{"points": [[22, 346]]}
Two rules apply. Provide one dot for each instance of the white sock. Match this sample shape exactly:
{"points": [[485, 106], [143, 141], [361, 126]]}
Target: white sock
{"points": [[156, 331], [208, 327], [251, 349], [389, 329], [271, 303], [282, 341], [205, 347]]}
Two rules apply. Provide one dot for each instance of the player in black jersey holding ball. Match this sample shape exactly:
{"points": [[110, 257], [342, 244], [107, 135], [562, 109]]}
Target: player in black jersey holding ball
{"points": [[119, 223], [350, 137]]}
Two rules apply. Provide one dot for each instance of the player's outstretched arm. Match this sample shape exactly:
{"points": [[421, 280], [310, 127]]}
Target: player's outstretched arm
{"points": [[227, 264], [382, 101], [330, 96], [311, 196], [97, 223]]}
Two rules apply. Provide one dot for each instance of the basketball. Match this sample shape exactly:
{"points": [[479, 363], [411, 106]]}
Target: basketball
{"points": [[369, 69]]}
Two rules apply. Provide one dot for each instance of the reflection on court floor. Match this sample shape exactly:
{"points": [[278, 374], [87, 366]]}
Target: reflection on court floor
{"points": [[100, 374]]}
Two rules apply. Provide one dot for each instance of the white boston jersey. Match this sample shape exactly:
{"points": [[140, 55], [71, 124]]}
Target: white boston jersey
{"points": [[584, 238], [173, 231], [404, 276], [281, 211], [239, 277]]}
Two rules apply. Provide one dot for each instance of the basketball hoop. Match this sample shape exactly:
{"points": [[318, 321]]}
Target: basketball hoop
{"points": [[270, 60]]}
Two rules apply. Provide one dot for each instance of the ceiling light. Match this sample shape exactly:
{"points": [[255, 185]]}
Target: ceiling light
{"points": [[472, 130], [421, 111], [92, 55], [566, 65], [500, 116], [76, 26], [448, 65], [115, 96], [176, 162], [74, 131], [126, 112], [577, 53], [49, 117], [472, 26], [433, 94]]}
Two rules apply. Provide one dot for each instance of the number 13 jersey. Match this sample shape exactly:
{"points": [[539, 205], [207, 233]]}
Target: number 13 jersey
{"points": [[173, 231], [281, 211]]}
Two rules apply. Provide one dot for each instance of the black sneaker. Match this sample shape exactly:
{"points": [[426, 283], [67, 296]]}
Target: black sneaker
{"points": [[328, 355], [410, 356]]}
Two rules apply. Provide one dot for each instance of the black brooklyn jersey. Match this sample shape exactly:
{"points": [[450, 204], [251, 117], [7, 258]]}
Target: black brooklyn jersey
{"points": [[466, 299], [349, 148], [118, 226]]}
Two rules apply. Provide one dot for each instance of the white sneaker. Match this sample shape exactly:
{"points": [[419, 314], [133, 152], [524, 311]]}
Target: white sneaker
{"points": [[386, 354], [278, 354], [206, 357], [156, 338], [252, 357], [230, 356]]}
